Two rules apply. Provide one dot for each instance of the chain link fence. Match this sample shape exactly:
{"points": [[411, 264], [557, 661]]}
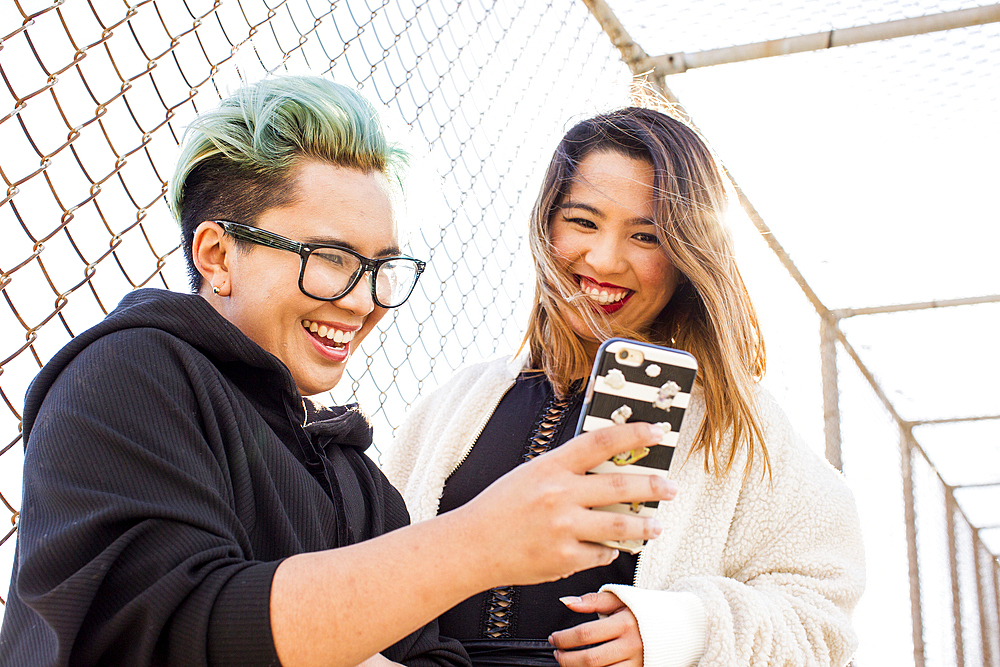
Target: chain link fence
{"points": [[94, 99]]}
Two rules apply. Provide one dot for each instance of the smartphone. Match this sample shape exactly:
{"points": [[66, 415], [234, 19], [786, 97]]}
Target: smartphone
{"points": [[635, 381]]}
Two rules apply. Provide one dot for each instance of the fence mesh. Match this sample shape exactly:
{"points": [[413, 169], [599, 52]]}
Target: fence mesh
{"points": [[94, 101]]}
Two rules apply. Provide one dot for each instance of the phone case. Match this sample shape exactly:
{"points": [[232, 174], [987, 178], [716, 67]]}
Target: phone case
{"points": [[635, 381]]}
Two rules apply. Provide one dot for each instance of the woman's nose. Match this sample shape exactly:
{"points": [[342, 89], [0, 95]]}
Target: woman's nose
{"points": [[605, 255], [359, 300]]}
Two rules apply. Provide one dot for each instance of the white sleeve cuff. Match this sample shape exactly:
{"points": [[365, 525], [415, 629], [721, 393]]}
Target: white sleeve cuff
{"points": [[673, 625]]}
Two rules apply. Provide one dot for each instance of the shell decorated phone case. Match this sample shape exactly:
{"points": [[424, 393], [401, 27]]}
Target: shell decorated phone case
{"points": [[635, 381]]}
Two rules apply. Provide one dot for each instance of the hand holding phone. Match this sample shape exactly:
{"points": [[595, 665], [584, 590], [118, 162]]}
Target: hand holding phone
{"points": [[635, 381]]}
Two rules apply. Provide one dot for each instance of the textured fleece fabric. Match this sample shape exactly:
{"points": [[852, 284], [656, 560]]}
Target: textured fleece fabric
{"points": [[169, 469], [747, 571]]}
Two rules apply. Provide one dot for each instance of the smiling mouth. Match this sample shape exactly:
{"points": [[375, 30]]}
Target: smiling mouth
{"points": [[329, 336], [602, 295]]}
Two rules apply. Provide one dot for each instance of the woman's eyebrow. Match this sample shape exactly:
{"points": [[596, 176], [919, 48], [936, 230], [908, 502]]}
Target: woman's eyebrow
{"points": [[597, 212], [580, 205], [644, 222]]}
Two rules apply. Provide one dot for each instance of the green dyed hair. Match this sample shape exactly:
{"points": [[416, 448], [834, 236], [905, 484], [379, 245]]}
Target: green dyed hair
{"points": [[238, 160]]}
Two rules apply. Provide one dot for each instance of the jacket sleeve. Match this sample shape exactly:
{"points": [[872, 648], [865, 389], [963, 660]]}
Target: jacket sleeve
{"points": [[426, 648], [793, 573], [129, 549]]}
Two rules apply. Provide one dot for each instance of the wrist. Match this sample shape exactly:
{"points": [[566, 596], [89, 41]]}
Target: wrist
{"points": [[476, 563], [673, 625]]}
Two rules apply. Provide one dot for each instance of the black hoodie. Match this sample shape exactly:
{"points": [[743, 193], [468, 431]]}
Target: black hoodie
{"points": [[169, 467]]}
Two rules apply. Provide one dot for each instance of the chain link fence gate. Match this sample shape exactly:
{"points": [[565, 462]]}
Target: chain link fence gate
{"points": [[94, 99]]}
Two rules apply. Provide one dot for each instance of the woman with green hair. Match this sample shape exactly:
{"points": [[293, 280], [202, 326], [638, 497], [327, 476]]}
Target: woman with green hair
{"points": [[185, 504]]}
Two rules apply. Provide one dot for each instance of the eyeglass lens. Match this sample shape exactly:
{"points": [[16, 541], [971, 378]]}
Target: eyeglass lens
{"points": [[329, 272]]}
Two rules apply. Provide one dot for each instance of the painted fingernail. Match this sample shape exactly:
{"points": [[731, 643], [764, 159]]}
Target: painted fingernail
{"points": [[570, 599], [656, 432], [654, 526]]}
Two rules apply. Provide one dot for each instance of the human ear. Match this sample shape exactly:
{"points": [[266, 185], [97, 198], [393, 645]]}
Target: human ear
{"points": [[211, 252]]}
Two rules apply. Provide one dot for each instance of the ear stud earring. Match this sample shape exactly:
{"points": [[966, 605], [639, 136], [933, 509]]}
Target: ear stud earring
{"points": [[215, 289]]}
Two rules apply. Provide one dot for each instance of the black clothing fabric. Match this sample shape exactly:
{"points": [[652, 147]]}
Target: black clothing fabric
{"points": [[510, 652], [170, 466], [536, 611]]}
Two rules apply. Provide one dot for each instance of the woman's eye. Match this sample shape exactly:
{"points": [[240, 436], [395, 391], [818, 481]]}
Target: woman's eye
{"points": [[646, 238], [582, 222]]}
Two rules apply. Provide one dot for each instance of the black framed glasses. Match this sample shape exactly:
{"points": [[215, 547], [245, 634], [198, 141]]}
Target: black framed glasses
{"points": [[330, 272]]}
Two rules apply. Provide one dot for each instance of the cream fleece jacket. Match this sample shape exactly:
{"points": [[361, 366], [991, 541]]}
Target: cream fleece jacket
{"points": [[747, 571]]}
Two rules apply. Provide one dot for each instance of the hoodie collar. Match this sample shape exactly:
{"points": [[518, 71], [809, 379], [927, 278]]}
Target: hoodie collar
{"points": [[192, 319]]}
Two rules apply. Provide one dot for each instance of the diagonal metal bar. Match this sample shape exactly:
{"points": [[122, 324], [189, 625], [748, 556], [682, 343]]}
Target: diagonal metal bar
{"points": [[632, 54], [676, 63], [983, 485], [953, 420], [842, 313]]}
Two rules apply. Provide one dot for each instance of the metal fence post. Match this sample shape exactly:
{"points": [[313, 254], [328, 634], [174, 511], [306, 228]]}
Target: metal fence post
{"points": [[956, 593], [831, 390], [906, 452], [995, 579], [985, 630]]}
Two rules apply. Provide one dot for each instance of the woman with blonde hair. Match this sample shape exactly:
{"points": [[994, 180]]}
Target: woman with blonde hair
{"points": [[760, 560]]}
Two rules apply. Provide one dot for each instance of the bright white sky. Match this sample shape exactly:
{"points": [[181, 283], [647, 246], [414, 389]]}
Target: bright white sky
{"points": [[874, 167]]}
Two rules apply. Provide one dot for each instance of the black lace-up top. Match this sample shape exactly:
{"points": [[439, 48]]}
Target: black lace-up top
{"points": [[511, 625]]}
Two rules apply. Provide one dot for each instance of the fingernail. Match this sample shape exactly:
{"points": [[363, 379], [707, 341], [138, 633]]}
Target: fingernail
{"points": [[570, 599], [656, 432], [667, 487], [655, 526]]}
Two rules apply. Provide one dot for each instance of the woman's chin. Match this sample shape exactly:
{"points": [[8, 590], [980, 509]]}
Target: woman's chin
{"points": [[319, 383]]}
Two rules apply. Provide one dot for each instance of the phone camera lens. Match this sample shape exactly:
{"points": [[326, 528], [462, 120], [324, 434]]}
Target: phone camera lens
{"points": [[623, 354]]}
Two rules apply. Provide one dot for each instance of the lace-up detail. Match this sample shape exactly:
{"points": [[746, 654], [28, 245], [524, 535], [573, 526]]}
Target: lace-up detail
{"points": [[500, 615], [548, 423]]}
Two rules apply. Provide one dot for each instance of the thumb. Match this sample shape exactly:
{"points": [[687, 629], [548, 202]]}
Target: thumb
{"points": [[589, 449]]}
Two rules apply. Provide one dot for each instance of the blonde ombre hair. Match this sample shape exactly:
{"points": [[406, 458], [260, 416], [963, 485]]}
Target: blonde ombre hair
{"points": [[709, 315]]}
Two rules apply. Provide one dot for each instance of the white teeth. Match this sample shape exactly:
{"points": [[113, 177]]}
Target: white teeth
{"points": [[335, 335], [602, 296]]}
